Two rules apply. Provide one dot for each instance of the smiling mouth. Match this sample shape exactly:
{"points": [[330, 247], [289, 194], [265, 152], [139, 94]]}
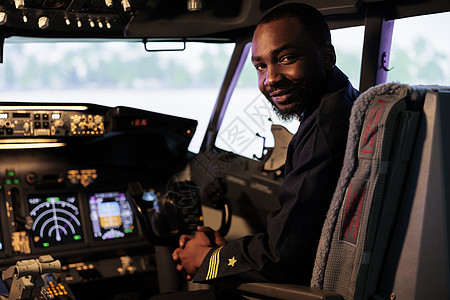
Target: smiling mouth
{"points": [[280, 96]]}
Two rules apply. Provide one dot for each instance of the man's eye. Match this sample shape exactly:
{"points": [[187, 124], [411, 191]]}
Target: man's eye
{"points": [[259, 68], [287, 59]]}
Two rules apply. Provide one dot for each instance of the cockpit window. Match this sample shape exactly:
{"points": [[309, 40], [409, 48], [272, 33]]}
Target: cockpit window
{"points": [[246, 125], [348, 44], [177, 83], [420, 51]]}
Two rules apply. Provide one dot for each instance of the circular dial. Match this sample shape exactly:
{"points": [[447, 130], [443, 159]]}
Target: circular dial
{"points": [[55, 220]]}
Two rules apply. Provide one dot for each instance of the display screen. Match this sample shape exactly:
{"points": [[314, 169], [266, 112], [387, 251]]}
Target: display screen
{"points": [[1, 241], [111, 216], [56, 219]]}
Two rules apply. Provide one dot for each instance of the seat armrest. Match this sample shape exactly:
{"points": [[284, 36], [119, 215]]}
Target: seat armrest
{"points": [[281, 291]]}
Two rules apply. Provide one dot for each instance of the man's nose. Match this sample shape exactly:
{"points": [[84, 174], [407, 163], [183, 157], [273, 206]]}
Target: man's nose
{"points": [[272, 75]]}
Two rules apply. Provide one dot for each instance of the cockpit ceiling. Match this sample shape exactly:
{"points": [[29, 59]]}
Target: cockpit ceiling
{"points": [[160, 19]]}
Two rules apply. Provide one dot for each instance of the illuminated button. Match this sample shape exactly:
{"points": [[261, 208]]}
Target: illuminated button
{"points": [[37, 124], [43, 22], [19, 4], [3, 18], [76, 119], [26, 127], [41, 132], [98, 119], [69, 277], [126, 5]]}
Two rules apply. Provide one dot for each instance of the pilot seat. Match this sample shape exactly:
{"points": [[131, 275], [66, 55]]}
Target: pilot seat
{"points": [[386, 233]]}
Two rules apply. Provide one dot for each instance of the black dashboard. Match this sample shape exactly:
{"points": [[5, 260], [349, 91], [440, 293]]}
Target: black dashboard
{"points": [[64, 176]]}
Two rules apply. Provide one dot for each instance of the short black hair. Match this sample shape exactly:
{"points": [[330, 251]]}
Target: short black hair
{"points": [[313, 21]]}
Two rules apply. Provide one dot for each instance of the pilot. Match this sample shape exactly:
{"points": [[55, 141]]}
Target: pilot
{"points": [[295, 62]]}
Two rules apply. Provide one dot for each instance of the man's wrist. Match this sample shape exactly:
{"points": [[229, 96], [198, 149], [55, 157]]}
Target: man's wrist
{"points": [[201, 257]]}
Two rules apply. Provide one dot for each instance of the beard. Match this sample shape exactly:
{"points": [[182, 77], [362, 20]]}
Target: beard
{"points": [[305, 99]]}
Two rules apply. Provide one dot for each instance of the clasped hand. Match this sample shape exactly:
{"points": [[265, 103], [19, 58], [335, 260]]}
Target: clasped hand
{"points": [[193, 249]]}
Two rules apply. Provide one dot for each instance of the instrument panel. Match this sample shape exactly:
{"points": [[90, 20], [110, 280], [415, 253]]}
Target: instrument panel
{"points": [[57, 121], [64, 174], [66, 220], [88, 224]]}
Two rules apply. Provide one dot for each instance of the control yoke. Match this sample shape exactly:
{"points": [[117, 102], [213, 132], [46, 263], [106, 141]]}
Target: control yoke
{"points": [[165, 217]]}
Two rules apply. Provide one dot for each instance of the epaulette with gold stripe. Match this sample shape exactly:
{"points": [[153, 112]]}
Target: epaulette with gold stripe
{"points": [[213, 268]]}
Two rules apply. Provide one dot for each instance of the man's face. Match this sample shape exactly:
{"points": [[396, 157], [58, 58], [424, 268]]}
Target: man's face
{"points": [[289, 64]]}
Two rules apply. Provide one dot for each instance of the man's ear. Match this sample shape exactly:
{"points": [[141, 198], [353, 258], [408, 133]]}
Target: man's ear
{"points": [[328, 57]]}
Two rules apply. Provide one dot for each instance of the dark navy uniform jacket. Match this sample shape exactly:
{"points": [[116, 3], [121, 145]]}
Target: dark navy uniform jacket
{"points": [[286, 251]]}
